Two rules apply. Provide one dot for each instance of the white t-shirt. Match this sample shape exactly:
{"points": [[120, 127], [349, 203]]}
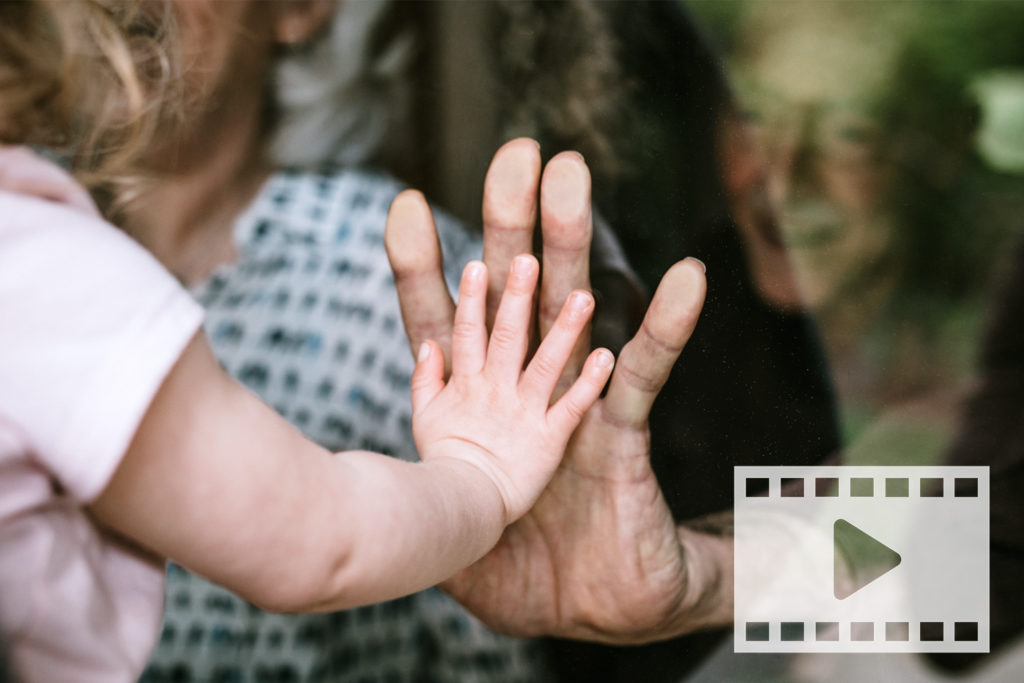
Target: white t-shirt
{"points": [[90, 324]]}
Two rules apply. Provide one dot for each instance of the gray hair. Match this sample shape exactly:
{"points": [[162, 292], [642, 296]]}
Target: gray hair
{"points": [[340, 98], [346, 97]]}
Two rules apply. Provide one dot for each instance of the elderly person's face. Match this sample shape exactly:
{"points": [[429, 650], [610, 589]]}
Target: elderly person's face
{"points": [[809, 89]]}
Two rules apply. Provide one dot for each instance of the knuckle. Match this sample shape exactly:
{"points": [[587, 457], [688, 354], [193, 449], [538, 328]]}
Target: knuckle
{"points": [[419, 380], [410, 271], [545, 366], [573, 410], [637, 380], [504, 336], [664, 343], [464, 330]]}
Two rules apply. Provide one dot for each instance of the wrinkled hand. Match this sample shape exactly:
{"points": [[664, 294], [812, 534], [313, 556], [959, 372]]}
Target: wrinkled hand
{"points": [[598, 557]]}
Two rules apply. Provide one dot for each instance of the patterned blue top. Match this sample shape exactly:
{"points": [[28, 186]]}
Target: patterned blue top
{"points": [[307, 317]]}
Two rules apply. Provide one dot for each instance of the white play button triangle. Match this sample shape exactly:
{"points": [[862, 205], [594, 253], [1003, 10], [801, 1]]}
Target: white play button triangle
{"points": [[858, 553]]}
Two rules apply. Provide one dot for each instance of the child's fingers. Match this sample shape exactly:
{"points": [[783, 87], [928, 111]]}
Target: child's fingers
{"points": [[542, 374], [428, 375], [566, 414], [469, 334], [510, 336]]}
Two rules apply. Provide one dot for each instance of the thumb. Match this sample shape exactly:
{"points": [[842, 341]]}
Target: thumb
{"points": [[428, 375]]}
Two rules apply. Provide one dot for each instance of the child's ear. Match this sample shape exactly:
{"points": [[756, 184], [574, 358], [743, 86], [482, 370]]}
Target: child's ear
{"points": [[297, 21]]}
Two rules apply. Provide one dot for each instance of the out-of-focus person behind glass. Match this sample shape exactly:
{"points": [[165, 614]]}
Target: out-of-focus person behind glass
{"points": [[894, 135], [867, 119]]}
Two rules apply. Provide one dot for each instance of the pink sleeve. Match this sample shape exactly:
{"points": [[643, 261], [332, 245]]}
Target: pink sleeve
{"points": [[90, 324]]}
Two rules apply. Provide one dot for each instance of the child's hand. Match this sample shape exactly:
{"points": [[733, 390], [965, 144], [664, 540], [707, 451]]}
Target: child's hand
{"points": [[493, 414]]}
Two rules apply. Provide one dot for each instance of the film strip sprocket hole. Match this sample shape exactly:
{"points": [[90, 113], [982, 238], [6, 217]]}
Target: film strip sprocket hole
{"points": [[862, 559]]}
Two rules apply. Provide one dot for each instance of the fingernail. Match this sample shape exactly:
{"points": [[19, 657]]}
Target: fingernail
{"points": [[704, 267], [475, 270], [424, 352], [521, 265], [578, 301], [604, 358]]}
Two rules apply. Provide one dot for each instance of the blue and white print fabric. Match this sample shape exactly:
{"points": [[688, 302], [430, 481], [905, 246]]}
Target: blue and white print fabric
{"points": [[308, 318]]}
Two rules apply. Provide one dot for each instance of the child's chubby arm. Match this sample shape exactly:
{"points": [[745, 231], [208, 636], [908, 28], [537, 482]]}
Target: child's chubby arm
{"points": [[217, 481]]}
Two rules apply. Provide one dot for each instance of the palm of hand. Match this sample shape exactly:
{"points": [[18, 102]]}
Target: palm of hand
{"points": [[489, 435], [492, 414], [590, 560], [598, 557]]}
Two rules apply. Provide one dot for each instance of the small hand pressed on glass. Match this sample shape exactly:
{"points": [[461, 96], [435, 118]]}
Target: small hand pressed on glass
{"points": [[506, 424], [599, 556]]}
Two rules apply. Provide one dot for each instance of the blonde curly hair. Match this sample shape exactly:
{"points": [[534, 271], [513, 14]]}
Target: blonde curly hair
{"points": [[90, 80]]}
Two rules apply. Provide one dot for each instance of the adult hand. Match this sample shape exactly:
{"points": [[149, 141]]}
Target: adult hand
{"points": [[599, 556]]}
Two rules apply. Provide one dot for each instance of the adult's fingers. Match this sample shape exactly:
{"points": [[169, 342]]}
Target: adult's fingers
{"points": [[646, 361], [567, 228], [415, 254], [509, 212]]}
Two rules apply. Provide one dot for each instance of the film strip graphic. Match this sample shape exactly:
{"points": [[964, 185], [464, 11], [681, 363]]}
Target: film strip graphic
{"points": [[861, 559]]}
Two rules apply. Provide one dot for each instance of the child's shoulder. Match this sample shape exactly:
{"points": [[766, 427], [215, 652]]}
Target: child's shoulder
{"points": [[23, 211], [53, 235]]}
